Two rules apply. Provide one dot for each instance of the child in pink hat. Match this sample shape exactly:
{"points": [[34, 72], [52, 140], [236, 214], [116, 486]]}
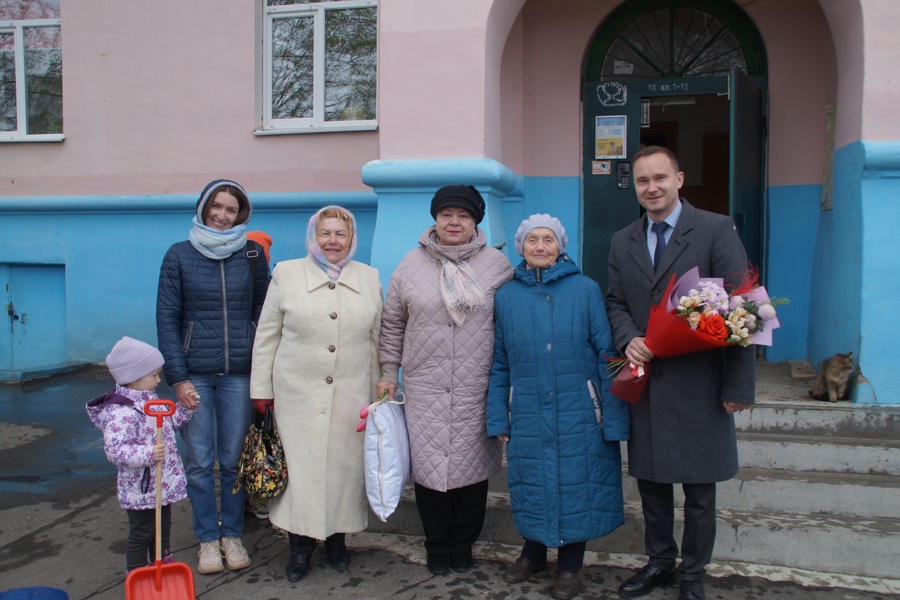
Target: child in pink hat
{"points": [[129, 439]]}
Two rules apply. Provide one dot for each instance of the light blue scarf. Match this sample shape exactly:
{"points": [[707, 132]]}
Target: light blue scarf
{"points": [[215, 244]]}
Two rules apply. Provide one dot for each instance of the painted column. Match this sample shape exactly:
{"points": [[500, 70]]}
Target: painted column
{"points": [[856, 272], [438, 116]]}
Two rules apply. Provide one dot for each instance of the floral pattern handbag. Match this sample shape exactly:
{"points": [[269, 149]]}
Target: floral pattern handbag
{"points": [[262, 469]]}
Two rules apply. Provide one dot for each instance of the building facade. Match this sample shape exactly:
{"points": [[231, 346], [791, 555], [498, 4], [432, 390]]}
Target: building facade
{"points": [[118, 114]]}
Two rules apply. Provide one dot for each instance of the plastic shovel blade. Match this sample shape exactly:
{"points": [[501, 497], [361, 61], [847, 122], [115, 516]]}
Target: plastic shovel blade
{"points": [[171, 581]]}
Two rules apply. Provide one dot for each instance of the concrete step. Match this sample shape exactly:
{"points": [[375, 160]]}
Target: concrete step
{"points": [[827, 543], [820, 419], [789, 491], [816, 454], [793, 492], [815, 494]]}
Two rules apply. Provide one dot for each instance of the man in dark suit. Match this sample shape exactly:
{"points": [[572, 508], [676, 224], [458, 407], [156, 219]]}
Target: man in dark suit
{"points": [[682, 427]]}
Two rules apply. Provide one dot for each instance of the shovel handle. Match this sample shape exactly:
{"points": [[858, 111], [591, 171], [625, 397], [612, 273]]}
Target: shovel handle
{"points": [[159, 414]]}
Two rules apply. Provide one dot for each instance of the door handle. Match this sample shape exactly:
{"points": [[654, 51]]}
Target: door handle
{"points": [[11, 311], [23, 318]]}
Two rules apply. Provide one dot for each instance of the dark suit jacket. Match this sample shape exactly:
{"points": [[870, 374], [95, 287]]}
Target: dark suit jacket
{"points": [[680, 432]]}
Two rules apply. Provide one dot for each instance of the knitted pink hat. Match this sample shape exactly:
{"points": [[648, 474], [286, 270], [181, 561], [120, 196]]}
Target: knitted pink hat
{"points": [[132, 359]]}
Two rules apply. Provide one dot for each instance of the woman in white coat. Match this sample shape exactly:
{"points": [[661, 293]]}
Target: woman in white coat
{"points": [[315, 360]]}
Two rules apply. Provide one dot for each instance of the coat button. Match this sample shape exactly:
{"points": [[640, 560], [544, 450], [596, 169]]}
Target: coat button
{"points": [[331, 348], [333, 315], [331, 286], [329, 379]]}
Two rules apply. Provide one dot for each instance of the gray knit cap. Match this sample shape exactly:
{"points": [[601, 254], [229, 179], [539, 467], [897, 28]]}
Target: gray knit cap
{"points": [[536, 222], [132, 359]]}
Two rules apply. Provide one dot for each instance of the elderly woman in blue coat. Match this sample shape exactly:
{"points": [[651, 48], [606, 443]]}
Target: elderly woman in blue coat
{"points": [[549, 400]]}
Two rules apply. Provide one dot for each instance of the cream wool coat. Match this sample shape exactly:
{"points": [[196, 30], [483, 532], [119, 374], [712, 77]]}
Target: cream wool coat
{"points": [[316, 354]]}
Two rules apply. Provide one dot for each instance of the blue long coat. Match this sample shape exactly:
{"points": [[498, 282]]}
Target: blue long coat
{"points": [[565, 474]]}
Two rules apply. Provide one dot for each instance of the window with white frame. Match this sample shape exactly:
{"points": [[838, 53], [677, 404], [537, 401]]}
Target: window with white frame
{"points": [[30, 71], [320, 65]]}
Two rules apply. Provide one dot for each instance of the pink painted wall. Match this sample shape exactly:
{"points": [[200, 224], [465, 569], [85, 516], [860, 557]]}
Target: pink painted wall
{"points": [[881, 86], [432, 78], [162, 97], [546, 51], [460, 78], [802, 83]]}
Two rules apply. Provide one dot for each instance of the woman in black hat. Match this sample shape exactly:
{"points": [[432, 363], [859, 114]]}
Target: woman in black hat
{"points": [[438, 326]]}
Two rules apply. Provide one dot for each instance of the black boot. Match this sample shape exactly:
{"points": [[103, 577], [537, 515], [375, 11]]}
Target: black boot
{"points": [[301, 550], [338, 555]]}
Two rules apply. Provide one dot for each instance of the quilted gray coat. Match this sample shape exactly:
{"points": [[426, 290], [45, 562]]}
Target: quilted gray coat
{"points": [[445, 366]]}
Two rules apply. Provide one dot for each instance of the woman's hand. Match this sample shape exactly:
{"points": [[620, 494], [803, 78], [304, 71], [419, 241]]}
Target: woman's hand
{"points": [[186, 395], [385, 385], [159, 452], [503, 438], [260, 405]]}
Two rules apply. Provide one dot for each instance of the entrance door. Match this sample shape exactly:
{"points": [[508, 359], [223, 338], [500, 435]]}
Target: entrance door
{"points": [[34, 335], [713, 124], [746, 165]]}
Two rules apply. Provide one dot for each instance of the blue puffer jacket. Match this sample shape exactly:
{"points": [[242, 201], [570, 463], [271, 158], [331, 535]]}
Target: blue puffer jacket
{"points": [[565, 473], [206, 314]]}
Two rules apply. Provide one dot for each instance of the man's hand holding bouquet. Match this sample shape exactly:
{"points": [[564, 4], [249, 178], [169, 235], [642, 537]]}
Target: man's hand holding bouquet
{"points": [[698, 314]]}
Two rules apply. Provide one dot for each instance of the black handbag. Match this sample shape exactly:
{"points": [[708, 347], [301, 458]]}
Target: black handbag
{"points": [[262, 469]]}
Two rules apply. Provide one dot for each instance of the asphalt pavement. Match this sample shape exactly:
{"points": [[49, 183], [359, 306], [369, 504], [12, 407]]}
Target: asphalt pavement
{"points": [[61, 526]]}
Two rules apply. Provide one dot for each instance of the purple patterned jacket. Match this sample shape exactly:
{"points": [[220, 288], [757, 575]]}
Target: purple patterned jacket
{"points": [[128, 439]]}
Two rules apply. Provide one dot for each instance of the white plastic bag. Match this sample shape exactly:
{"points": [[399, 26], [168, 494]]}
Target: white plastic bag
{"points": [[386, 455]]}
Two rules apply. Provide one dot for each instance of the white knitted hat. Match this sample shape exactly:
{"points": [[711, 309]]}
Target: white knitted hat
{"points": [[132, 359], [538, 221]]}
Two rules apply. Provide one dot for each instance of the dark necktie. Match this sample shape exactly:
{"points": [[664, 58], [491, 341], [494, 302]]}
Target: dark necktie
{"points": [[660, 230]]}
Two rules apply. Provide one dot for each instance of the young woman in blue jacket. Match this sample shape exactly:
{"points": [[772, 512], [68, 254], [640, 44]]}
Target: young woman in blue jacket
{"points": [[211, 292], [549, 400]]}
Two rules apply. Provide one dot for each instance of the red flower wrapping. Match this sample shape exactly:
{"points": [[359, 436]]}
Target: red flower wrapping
{"points": [[630, 383], [668, 335]]}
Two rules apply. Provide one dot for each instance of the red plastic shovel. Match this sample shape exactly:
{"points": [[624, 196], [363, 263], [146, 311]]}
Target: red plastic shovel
{"points": [[171, 581]]}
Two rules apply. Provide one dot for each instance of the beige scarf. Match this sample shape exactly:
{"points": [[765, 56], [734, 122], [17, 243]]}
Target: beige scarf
{"points": [[460, 289]]}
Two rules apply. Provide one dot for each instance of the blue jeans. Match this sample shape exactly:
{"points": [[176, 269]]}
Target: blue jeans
{"points": [[216, 431]]}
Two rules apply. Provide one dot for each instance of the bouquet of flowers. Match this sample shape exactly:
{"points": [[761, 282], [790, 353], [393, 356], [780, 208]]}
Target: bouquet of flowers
{"points": [[698, 314]]}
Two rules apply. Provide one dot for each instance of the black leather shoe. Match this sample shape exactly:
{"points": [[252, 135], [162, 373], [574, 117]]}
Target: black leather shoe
{"points": [[439, 565], [522, 569], [338, 555], [567, 585], [297, 567], [692, 590], [461, 563], [644, 581]]}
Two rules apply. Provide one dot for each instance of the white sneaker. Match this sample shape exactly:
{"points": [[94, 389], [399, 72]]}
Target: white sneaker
{"points": [[210, 558], [235, 554]]}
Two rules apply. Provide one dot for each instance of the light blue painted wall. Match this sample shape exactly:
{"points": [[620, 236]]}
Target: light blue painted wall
{"points": [[792, 217], [835, 301], [112, 248]]}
